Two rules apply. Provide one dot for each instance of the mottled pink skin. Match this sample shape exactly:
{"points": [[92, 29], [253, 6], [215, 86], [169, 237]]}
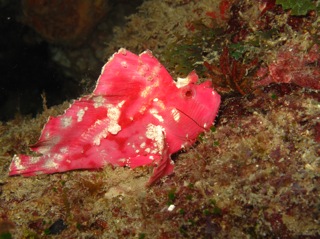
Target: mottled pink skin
{"points": [[134, 96]]}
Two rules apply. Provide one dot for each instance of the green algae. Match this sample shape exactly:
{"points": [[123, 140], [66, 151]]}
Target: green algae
{"points": [[298, 8]]}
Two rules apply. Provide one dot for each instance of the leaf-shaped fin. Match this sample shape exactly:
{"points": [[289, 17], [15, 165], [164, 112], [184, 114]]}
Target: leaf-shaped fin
{"points": [[165, 165], [84, 119], [128, 74]]}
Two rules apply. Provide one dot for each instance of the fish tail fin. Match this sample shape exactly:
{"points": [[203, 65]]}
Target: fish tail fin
{"points": [[25, 165]]}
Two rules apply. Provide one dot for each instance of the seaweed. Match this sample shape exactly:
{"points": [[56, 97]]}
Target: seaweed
{"points": [[298, 8], [231, 75], [292, 65]]}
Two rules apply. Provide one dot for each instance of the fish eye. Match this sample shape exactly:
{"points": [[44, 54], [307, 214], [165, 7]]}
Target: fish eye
{"points": [[188, 93]]}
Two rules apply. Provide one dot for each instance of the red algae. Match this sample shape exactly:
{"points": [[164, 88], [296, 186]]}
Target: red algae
{"points": [[293, 65]]}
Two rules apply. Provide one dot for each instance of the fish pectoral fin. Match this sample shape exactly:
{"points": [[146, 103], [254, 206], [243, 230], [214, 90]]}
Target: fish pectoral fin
{"points": [[164, 167], [141, 160]]}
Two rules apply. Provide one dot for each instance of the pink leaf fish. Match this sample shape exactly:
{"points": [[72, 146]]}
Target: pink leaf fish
{"points": [[137, 115]]}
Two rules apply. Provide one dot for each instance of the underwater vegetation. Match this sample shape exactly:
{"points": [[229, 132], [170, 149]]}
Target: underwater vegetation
{"points": [[298, 8], [293, 65], [244, 38]]}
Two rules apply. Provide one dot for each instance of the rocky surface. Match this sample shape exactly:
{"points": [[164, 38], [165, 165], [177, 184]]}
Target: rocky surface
{"points": [[254, 175]]}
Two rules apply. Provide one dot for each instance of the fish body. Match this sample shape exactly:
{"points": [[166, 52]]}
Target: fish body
{"points": [[137, 115]]}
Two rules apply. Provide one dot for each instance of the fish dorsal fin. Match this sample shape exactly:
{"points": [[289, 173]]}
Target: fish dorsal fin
{"points": [[128, 74]]}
